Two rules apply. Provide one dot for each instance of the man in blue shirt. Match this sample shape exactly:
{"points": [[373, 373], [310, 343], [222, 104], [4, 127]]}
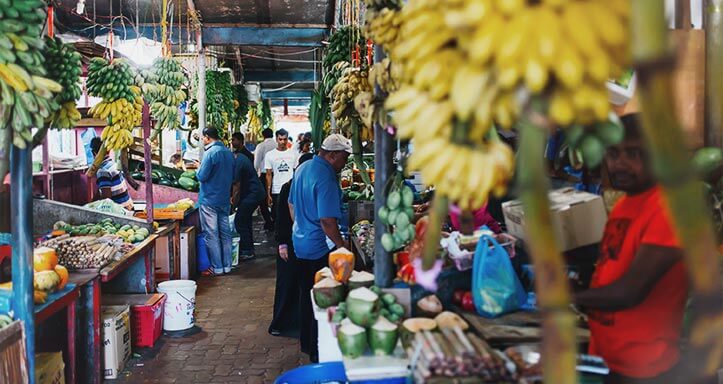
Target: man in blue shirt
{"points": [[216, 175], [315, 207], [248, 193]]}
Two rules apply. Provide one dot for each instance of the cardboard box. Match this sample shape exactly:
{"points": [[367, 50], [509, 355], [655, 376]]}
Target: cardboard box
{"points": [[578, 218], [49, 368], [116, 339]]}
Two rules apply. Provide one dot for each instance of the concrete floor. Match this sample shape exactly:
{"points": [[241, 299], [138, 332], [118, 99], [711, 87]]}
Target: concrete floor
{"points": [[234, 312]]}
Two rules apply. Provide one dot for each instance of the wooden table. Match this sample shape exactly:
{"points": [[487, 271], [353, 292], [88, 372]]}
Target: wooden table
{"points": [[64, 300], [89, 341], [140, 278], [514, 328]]}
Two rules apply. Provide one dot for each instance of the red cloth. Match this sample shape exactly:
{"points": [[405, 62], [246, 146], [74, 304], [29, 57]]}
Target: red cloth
{"points": [[481, 217], [642, 341]]}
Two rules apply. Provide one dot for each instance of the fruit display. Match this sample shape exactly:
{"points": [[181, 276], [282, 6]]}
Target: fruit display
{"points": [[341, 44], [219, 100], [27, 95], [382, 74], [462, 62], [328, 292], [383, 337], [353, 82], [360, 279], [122, 102], [352, 339], [241, 106], [390, 308], [129, 233], [381, 21], [332, 76], [182, 205], [188, 181], [86, 252], [164, 93], [363, 306], [63, 63], [398, 215]]}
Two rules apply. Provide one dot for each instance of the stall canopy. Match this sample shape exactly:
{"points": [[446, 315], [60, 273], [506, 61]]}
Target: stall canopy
{"points": [[274, 43]]}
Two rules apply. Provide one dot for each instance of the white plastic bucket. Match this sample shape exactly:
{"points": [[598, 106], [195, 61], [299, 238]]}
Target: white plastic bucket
{"points": [[180, 307]]}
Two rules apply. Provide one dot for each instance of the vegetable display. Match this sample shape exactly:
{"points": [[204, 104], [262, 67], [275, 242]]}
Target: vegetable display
{"points": [[27, 95], [129, 233], [63, 63]]}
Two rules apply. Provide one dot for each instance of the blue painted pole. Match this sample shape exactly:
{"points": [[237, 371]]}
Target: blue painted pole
{"points": [[21, 197]]}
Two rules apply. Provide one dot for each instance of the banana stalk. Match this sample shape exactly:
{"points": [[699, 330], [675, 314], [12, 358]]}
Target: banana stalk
{"points": [[551, 286], [437, 214], [99, 157], [684, 194], [357, 148]]}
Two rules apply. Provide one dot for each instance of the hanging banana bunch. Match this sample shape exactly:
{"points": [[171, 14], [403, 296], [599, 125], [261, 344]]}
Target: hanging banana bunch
{"points": [[122, 102], [381, 21], [241, 106], [164, 93], [63, 63], [352, 83], [332, 77], [462, 62], [254, 124], [384, 74]]}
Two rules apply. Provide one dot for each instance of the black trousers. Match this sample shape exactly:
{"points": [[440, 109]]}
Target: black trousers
{"points": [[264, 207], [274, 205], [243, 223], [286, 296], [309, 335]]}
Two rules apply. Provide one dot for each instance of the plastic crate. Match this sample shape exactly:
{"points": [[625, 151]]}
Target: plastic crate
{"points": [[146, 316]]}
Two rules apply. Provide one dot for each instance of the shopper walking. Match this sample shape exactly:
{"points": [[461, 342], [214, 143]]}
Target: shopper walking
{"points": [[110, 181], [286, 295], [239, 148], [259, 163], [279, 164], [315, 205], [216, 175], [248, 193]]}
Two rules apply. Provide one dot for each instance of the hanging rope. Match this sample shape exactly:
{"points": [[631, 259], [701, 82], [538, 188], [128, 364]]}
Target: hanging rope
{"points": [[164, 29]]}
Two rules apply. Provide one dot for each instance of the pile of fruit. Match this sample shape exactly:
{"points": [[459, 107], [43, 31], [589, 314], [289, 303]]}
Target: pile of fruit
{"points": [[366, 327], [48, 276], [182, 205], [122, 102], [398, 215], [129, 233], [381, 21], [187, 180], [164, 94], [63, 63], [27, 96]]}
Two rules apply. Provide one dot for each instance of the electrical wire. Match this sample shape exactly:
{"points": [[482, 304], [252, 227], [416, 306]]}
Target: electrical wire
{"points": [[278, 59], [282, 88]]}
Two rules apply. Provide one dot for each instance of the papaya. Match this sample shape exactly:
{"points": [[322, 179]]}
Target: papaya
{"points": [[63, 274]]}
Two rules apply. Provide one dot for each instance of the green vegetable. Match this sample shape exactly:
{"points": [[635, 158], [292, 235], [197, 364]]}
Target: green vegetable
{"points": [[388, 242]]}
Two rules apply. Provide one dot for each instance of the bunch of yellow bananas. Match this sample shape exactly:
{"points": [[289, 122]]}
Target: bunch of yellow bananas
{"points": [[462, 62], [384, 74], [254, 124], [382, 26], [67, 115], [123, 116], [353, 82]]}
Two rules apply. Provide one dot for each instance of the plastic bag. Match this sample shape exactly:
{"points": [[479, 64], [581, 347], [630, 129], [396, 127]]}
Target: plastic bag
{"points": [[108, 206], [496, 290]]}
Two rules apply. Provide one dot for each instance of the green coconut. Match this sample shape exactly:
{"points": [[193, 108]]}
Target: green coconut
{"points": [[383, 337], [363, 306], [429, 306], [352, 339], [328, 292], [450, 320], [360, 279], [410, 327]]}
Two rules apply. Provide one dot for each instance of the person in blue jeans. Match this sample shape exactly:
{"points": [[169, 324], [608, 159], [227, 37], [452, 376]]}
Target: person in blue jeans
{"points": [[216, 175]]}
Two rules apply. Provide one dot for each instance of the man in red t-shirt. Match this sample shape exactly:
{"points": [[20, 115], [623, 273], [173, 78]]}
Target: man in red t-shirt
{"points": [[639, 289]]}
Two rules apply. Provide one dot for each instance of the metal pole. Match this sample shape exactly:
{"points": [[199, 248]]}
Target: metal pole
{"points": [[713, 22], [201, 93], [147, 159], [383, 169], [21, 197]]}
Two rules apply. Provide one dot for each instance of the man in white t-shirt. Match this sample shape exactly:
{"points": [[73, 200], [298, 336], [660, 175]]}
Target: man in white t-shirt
{"points": [[279, 164]]}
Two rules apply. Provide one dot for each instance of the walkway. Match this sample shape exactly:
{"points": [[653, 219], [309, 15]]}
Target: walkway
{"points": [[234, 312]]}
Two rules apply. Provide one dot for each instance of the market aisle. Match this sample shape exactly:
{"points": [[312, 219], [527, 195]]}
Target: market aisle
{"points": [[234, 347]]}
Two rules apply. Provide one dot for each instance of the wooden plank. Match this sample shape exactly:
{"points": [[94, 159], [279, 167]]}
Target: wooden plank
{"points": [[82, 278], [116, 267], [57, 305], [515, 328]]}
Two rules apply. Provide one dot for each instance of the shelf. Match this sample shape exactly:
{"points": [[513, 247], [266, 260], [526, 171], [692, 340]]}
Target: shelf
{"points": [[56, 302]]}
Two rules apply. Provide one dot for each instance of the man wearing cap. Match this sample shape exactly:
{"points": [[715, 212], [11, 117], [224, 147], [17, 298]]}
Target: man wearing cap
{"points": [[315, 207]]}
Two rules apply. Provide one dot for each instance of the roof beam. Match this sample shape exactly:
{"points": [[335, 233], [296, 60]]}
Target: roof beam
{"points": [[226, 35], [291, 103], [279, 76], [287, 94]]}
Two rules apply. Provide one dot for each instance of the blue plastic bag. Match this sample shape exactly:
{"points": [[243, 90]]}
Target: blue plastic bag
{"points": [[496, 290]]}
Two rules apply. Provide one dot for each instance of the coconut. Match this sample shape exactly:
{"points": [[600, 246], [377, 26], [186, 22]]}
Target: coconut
{"points": [[328, 292], [321, 274], [360, 279], [352, 339], [383, 337], [362, 306], [411, 326], [450, 320], [429, 306]]}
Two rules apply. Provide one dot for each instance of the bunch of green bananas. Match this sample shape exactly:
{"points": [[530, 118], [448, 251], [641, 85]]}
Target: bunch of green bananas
{"points": [[219, 100], [5, 320], [382, 26], [162, 89], [591, 141], [341, 44], [26, 95], [63, 63], [241, 105], [462, 63], [110, 81], [332, 77], [353, 82]]}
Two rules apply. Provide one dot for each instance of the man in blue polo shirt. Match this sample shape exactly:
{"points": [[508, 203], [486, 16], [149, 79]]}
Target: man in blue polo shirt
{"points": [[315, 206], [216, 175]]}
